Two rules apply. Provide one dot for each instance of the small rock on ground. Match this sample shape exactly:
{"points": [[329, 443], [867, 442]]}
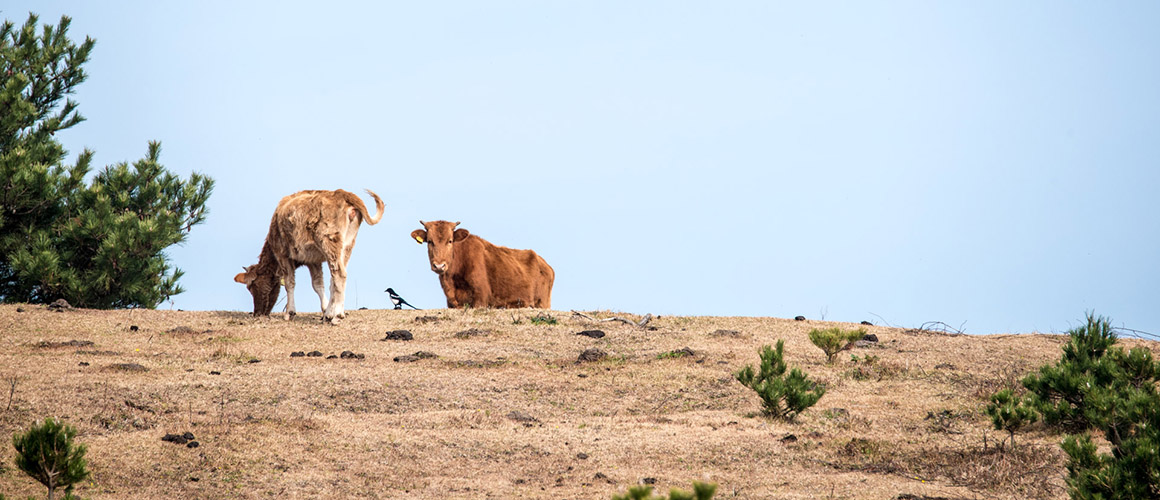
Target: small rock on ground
{"points": [[799, 318], [595, 334], [399, 335]]}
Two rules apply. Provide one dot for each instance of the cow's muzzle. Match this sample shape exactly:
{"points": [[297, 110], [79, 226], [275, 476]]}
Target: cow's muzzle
{"points": [[439, 268]]}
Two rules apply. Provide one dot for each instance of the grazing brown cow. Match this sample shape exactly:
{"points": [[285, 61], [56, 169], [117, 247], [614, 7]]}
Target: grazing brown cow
{"points": [[308, 228], [475, 273]]}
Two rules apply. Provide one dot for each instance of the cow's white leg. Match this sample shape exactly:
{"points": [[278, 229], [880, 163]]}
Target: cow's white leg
{"points": [[288, 281], [319, 285], [334, 310]]}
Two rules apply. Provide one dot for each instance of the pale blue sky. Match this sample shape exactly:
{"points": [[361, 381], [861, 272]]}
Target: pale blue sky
{"points": [[993, 163]]}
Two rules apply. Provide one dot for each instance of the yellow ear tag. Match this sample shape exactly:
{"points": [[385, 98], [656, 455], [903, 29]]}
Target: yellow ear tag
{"points": [[282, 281], [419, 239]]}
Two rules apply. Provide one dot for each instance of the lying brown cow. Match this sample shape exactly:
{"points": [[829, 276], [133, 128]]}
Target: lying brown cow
{"points": [[475, 273], [308, 228]]}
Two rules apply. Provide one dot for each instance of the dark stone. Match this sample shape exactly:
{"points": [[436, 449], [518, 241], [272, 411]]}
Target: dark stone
{"points": [[133, 328], [649, 480], [582, 456], [332, 357], [175, 438], [799, 318], [59, 304], [592, 354], [82, 363], [351, 355], [255, 361], [867, 323], [297, 354], [595, 334], [192, 444], [19, 309], [789, 438], [362, 308], [188, 435], [399, 335], [314, 354], [601, 476], [944, 366], [215, 373], [870, 337], [194, 478]]}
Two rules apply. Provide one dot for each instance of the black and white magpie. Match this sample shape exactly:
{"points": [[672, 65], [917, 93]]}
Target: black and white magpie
{"points": [[397, 300]]}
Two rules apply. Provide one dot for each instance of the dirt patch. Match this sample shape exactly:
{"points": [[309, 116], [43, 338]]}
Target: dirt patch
{"points": [[126, 367], [590, 355], [410, 358], [44, 344], [472, 333]]}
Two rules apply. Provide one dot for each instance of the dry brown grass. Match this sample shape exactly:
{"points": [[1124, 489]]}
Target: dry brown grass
{"points": [[506, 411]]}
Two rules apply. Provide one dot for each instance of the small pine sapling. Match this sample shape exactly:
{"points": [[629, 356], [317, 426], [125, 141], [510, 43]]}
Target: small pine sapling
{"points": [[48, 454], [701, 491], [782, 396], [1009, 413], [833, 340]]}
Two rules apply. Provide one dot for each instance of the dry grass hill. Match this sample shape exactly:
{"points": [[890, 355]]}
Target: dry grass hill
{"points": [[504, 409]]}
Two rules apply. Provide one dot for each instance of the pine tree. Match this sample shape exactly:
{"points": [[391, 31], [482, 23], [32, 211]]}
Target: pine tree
{"points": [[782, 396], [1059, 392], [47, 453], [1009, 413], [1096, 385], [833, 340], [99, 244]]}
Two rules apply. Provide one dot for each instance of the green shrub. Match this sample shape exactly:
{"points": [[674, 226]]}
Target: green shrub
{"points": [[543, 319], [833, 340], [1009, 413], [1059, 391], [47, 453], [701, 491], [1097, 385], [782, 396]]}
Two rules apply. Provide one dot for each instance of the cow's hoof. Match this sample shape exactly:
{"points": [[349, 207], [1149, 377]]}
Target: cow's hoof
{"points": [[331, 320]]}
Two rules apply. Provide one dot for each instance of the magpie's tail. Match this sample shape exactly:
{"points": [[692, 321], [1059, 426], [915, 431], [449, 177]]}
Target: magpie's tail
{"points": [[412, 307]]}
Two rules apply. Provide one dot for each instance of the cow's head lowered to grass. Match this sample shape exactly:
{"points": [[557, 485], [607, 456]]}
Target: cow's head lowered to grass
{"points": [[264, 286], [440, 237]]}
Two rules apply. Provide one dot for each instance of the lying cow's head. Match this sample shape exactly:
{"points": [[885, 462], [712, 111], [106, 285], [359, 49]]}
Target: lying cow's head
{"points": [[440, 237], [263, 286]]}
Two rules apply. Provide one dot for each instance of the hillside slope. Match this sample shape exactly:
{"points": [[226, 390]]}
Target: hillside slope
{"points": [[505, 410]]}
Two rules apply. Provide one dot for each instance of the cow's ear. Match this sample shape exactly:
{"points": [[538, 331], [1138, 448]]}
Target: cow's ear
{"points": [[244, 279], [461, 234], [419, 235]]}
